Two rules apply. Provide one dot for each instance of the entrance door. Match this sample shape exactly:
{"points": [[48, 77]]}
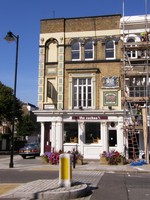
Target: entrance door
{"points": [[112, 138]]}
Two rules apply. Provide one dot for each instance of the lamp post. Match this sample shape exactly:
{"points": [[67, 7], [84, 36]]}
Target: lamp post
{"points": [[11, 37]]}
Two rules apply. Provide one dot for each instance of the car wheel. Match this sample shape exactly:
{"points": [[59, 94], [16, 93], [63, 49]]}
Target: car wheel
{"points": [[24, 157]]}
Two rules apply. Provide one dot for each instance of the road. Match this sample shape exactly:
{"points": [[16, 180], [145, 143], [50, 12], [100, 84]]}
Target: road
{"points": [[22, 175], [112, 186], [123, 186]]}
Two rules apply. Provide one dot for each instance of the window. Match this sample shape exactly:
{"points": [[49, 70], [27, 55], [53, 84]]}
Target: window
{"points": [[92, 132], [70, 132], [75, 51], [137, 87], [82, 92], [88, 51], [110, 49], [131, 54]]}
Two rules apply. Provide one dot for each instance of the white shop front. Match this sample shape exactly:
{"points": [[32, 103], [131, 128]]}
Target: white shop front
{"points": [[90, 133]]}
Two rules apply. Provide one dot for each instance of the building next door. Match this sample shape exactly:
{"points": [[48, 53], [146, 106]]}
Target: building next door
{"points": [[112, 138]]}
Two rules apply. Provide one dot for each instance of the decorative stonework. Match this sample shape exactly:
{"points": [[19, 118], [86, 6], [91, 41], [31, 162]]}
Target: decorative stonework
{"points": [[110, 82]]}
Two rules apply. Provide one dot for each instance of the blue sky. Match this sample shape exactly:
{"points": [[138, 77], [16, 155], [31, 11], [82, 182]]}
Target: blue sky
{"points": [[22, 17]]}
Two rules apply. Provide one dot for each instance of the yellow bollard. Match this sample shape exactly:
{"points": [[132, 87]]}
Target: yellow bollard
{"points": [[65, 170]]}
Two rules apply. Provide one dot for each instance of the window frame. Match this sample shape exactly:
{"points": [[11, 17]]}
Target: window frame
{"points": [[112, 49], [88, 50], [76, 51], [83, 96], [131, 53]]}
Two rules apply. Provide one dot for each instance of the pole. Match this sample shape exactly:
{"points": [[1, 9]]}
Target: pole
{"points": [[11, 164]]}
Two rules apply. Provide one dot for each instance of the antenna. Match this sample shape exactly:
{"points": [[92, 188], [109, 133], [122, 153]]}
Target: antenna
{"points": [[54, 14]]}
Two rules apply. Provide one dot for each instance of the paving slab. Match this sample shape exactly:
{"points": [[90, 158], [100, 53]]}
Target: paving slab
{"points": [[81, 186]]}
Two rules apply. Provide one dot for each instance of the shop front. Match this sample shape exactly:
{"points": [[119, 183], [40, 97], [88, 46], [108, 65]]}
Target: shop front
{"points": [[90, 133]]}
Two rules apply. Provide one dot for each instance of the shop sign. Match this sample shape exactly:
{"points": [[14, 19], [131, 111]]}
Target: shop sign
{"points": [[110, 98], [90, 117]]}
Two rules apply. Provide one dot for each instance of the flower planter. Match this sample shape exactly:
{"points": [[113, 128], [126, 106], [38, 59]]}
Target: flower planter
{"points": [[79, 161], [122, 161], [44, 160], [103, 161]]}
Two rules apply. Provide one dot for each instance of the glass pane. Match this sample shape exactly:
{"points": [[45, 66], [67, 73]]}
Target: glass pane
{"points": [[84, 81], [75, 81], [89, 102], [75, 55], [89, 81], [88, 45], [131, 40], [109, 54], [89, 89], [88, 54], [75, 46], [109, 44]]}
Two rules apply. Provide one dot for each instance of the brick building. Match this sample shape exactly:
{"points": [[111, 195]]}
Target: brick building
{"points": [[79, 85]]}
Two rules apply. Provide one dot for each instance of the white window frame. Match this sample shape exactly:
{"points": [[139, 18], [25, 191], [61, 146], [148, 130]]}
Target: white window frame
{"points": [[81, 98], [132, 53], [89, 50], [76, 51], [110, 49]]}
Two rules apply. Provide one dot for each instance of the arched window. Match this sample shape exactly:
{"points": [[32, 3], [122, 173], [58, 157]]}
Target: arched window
{"points": [[89, 50], [131, 54], [76, 51], [110, 49]]}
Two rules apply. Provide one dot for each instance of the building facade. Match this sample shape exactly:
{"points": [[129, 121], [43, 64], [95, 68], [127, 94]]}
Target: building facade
{"points": [[79, 85], [136, 78]]}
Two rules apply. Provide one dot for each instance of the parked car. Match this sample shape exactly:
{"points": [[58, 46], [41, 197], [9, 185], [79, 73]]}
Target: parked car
{"points": [[30, 149]]}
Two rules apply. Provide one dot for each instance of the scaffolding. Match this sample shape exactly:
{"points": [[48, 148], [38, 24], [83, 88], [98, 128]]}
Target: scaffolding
{"points": [[135, 91]]}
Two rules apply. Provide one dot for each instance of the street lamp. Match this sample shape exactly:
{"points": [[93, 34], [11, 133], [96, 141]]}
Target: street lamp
{"points": [[11, 37]]}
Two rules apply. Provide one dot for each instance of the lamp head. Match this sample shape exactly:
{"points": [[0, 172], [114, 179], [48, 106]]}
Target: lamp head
{"points": [[9, 37]]}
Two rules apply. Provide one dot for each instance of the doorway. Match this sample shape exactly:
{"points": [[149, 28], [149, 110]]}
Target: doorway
{"points": [[112, 138]]}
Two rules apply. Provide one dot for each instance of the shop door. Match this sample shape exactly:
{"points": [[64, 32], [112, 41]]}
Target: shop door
{"points": [[112, 138]]}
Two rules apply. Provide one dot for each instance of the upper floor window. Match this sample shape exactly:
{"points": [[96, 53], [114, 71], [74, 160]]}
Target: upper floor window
{"points": [[110, 49], [89, 50], [82, 92], [131, 54], [76, 51]]}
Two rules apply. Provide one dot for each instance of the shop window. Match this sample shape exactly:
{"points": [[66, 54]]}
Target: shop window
{"points": [[112, 138], [110, 49], [92, 132], [76, 51], [89, 50], [82, 92], [70, 132]]}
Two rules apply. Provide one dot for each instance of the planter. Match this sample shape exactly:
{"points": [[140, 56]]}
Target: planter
{"points": [[103, 161], [122, 161], [44, 160], [79, 161]]}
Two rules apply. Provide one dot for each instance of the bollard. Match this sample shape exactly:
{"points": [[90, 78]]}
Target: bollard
{"points": [[65, 170]]}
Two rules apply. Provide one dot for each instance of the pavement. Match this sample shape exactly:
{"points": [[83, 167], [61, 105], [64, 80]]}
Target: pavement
{"points": [[85, 179]]}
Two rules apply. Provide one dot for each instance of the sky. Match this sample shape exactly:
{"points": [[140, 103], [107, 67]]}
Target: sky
{"points": [[22, 17]]}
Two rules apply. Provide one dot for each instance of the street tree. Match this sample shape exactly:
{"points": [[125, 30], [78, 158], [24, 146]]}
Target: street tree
{"points": [[6, 105], [25, 126]]}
